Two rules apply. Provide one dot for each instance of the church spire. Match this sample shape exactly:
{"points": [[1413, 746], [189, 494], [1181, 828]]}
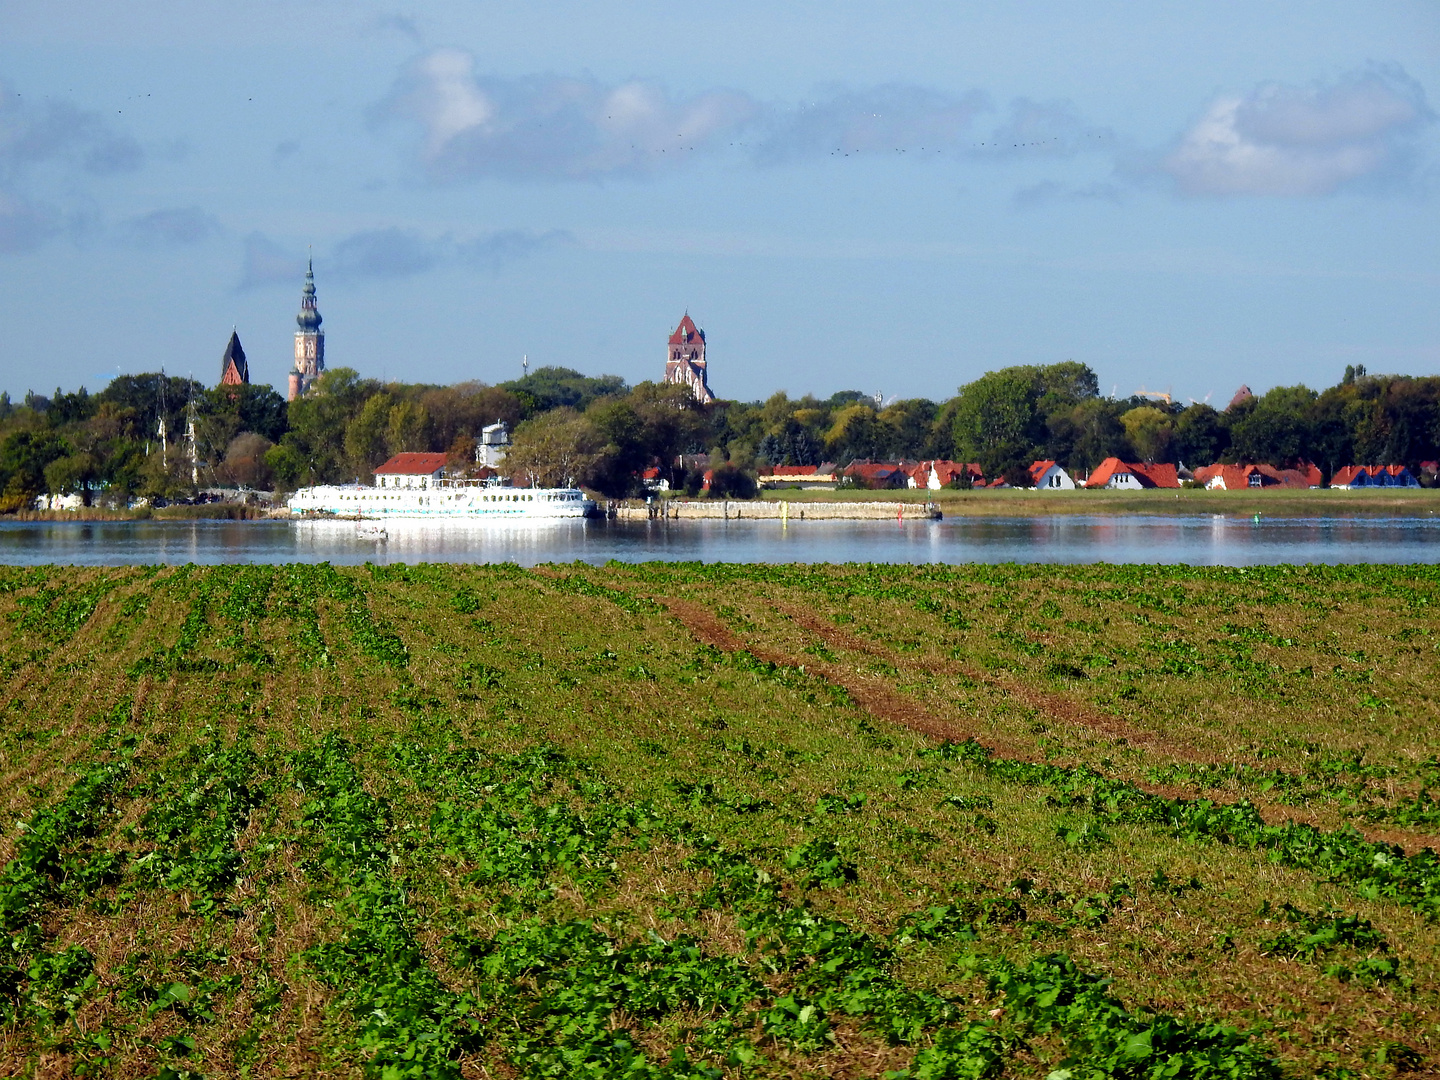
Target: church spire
{"points": [[309, 318], [309, 339]]}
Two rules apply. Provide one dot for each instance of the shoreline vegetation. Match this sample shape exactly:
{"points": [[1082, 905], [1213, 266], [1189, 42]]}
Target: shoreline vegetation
{"points": [[1322, 503], [720, 822], [125, 443]]}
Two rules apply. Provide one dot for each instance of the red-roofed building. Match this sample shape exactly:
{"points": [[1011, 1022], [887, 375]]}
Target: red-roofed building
{"points": [[941, 473], [1252, 477], [878, 474], [1133, 476], [1048, 476], [410, 470], [1372, 476], [818, 477]]}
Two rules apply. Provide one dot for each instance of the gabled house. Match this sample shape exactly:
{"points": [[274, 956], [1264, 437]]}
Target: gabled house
{"points": [[1048, 476], [410, 471], [1251, 477], [877, 474], [1372, 476], [817, 477], [1132, 476]]}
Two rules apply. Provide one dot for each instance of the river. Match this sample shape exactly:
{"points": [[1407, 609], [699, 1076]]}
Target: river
{"points": [[1197, 541]]}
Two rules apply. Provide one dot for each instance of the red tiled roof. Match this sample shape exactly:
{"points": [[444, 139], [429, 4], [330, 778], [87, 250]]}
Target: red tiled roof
{"points": [[686, 323], [412, 465], [1105, 470], [1159, 475], [794, 470], [1162, 474], [1039, 469]]}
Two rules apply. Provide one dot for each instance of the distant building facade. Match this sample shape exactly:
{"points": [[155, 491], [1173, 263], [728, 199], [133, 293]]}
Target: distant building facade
{"points": [[309, 340], [685, 360], [494, 443], [234, 368]]}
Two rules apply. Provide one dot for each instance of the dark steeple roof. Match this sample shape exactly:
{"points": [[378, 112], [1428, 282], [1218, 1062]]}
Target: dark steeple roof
{"points": [[234, 358]]}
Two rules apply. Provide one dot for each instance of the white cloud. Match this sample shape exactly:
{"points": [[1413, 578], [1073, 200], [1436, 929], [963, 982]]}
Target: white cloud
{"points": [[550, 127], [1285, 140]]}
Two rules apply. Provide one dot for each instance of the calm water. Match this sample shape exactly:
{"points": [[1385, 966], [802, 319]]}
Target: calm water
{"points": [[1059, 539]]}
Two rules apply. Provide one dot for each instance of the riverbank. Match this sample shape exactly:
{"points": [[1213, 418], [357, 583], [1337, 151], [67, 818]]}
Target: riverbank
{"points": [[208, 512], [1319, 503]]}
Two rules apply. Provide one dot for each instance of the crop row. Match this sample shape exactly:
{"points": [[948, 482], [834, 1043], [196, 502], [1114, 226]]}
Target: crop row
{"points": [[1374, 869]]}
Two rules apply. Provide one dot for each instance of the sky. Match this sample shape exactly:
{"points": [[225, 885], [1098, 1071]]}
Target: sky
{"points": [[892, 198]]}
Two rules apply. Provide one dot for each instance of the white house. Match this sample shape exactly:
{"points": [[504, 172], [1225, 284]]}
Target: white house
{"points": [[1049, 476], [410, 471]]}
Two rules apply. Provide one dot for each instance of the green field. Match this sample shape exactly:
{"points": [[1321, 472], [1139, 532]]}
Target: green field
{"points": [[690, 821]]}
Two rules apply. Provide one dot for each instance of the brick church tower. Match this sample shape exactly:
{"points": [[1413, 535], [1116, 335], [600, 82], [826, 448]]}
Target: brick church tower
{"points": [[309, 339], [685, 361]]}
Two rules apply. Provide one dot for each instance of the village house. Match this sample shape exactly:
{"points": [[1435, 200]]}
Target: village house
{"points": [[1048, 476], [938, 474], [820, 477], [410, 471], [1352, 477], [1132, 476], [1249, 477], [877, 474]]}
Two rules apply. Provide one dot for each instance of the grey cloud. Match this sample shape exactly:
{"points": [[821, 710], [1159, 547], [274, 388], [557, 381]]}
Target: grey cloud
{"points": [[1047, 127], [384, 253], [1287, 140], [395, 23], [884, 119], [24, 225], [550, 127], [267, 263], [180, 225], [57, 135], [58, 131], [393, 253], [501, 248]]}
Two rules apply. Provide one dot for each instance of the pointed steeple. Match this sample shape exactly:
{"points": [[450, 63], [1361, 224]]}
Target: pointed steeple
{"points": [[309, 318], [234, 368]]}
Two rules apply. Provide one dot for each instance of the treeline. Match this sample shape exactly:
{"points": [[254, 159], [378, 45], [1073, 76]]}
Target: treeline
{"points": [[572, 428]]}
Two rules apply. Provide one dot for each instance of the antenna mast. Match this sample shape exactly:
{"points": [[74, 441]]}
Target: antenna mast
{"points": [[190, 440], [160, 427]]}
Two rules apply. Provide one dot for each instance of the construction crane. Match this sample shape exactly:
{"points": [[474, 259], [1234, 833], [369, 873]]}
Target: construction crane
{"points": [[1156, 395]]}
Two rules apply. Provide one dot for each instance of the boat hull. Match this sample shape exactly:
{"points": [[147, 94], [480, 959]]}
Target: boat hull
{"points": [[441, 503]]}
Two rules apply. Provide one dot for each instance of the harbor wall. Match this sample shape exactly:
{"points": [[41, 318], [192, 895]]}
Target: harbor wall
{"points": [[728, 510]]}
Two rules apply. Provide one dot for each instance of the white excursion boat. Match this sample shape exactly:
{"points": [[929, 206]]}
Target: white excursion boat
{"points": [[413, 487]]}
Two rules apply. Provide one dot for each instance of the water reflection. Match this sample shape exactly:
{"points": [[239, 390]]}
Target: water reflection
{"points": [[1199, 540]]}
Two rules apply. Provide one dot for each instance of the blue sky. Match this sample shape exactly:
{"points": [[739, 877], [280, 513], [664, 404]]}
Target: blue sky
{"points": [[892, 198]]}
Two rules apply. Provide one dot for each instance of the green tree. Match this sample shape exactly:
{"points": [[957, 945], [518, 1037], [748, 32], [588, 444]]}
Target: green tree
{"points": [[24, 456], [996, 423], [555, 449], [1150, 431], [1200, 437], [1277, 428], [367, 435]]}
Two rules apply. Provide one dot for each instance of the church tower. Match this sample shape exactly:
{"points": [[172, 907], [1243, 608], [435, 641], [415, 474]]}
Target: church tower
{"points": [[234, 368], [685, 361], [309, 339]]}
